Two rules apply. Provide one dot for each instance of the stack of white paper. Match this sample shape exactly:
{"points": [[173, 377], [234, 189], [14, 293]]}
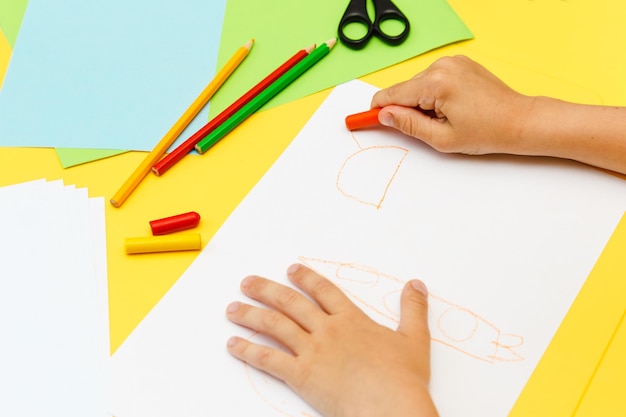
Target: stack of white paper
{"points": [[503, 243], [53, 302]]}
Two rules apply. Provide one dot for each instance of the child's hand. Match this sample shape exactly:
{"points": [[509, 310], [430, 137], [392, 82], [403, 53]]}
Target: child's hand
{"points": [[456, 105], [341, 362]]}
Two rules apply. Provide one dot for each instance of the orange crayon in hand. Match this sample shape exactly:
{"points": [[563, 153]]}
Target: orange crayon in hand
{"points": [[362, 120]]}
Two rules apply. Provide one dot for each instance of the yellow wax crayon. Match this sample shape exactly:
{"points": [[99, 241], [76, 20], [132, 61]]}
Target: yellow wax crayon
{"points": [[165, 243]]}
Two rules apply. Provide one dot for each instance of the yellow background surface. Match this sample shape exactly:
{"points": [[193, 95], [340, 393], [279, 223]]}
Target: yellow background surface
{"points": [[568, 49], [5, 54]]}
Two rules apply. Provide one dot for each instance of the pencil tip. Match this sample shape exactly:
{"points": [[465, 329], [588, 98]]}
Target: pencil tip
{"points": [[114, 203], [249, 44], [331, 42], [310, 48]]}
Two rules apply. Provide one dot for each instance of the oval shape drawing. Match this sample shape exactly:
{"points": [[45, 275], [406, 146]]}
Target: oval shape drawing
{"points": [[366, 175], [458, 324], [451, 325]]}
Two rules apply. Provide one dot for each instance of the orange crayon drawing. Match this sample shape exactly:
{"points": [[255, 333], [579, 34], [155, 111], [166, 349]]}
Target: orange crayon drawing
{"points": [[367, 174], [452, 325]]}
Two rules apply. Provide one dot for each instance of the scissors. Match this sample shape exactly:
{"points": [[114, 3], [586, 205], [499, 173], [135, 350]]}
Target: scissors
{"points": [[384, 10]]}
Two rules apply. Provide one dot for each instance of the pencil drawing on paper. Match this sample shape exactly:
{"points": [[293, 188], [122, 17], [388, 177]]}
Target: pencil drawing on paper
{"points": [[451, 325], [367, 174]]}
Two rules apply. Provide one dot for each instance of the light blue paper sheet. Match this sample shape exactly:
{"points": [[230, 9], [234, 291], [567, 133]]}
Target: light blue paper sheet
{"points": [[108, 75]]}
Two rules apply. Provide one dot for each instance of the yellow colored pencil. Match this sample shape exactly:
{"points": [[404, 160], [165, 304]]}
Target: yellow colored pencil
{"points": [[159, 150]]}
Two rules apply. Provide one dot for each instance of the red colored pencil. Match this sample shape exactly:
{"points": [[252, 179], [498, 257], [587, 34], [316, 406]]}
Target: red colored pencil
{"points": [[187, 146]]}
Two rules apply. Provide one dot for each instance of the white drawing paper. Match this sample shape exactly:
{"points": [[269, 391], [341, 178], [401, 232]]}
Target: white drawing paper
{"points": [[503, 243], [53, 302]]}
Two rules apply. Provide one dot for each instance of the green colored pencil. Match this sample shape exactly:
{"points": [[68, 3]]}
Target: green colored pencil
{"points": [[266, 95]]}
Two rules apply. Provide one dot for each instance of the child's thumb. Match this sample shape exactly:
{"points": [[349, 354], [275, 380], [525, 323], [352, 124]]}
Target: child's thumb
{"points": [[414, 312], [407, 120]]}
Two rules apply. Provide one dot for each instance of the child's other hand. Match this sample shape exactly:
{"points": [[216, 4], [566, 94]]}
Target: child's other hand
{"points": [[340, 361]]}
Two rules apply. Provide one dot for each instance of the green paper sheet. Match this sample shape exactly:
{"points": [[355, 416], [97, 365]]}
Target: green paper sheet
{"points": [[69, 157], [11, 13], [281, 28]]}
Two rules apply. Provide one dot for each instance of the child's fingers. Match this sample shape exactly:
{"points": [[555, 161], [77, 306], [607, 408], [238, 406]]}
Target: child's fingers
{"points": [[284, 299], [329, 297], [273, 361], [268, 322]]}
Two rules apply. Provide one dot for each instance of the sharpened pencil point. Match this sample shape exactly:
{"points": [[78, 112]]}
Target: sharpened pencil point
{"points": [[310, 48], [263, 97], [249, 44], [331, 42]]}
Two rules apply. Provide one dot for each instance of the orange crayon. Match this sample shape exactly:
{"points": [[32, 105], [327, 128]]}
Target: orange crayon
{"points": [[362, 120]]}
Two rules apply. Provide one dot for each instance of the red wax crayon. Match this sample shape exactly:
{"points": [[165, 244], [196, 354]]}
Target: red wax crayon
{"points": [[175, 223], [362, 120]]}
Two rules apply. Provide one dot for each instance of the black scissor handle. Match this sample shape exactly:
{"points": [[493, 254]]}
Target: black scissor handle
{"points": [[386, 10], [356, 12]]}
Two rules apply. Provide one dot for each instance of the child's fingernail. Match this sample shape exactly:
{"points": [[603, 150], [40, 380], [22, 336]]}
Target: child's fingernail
{"points": [[231, 342], [419, 286], [247, 281], [292, 269], [386, 119], [232, 307]]}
